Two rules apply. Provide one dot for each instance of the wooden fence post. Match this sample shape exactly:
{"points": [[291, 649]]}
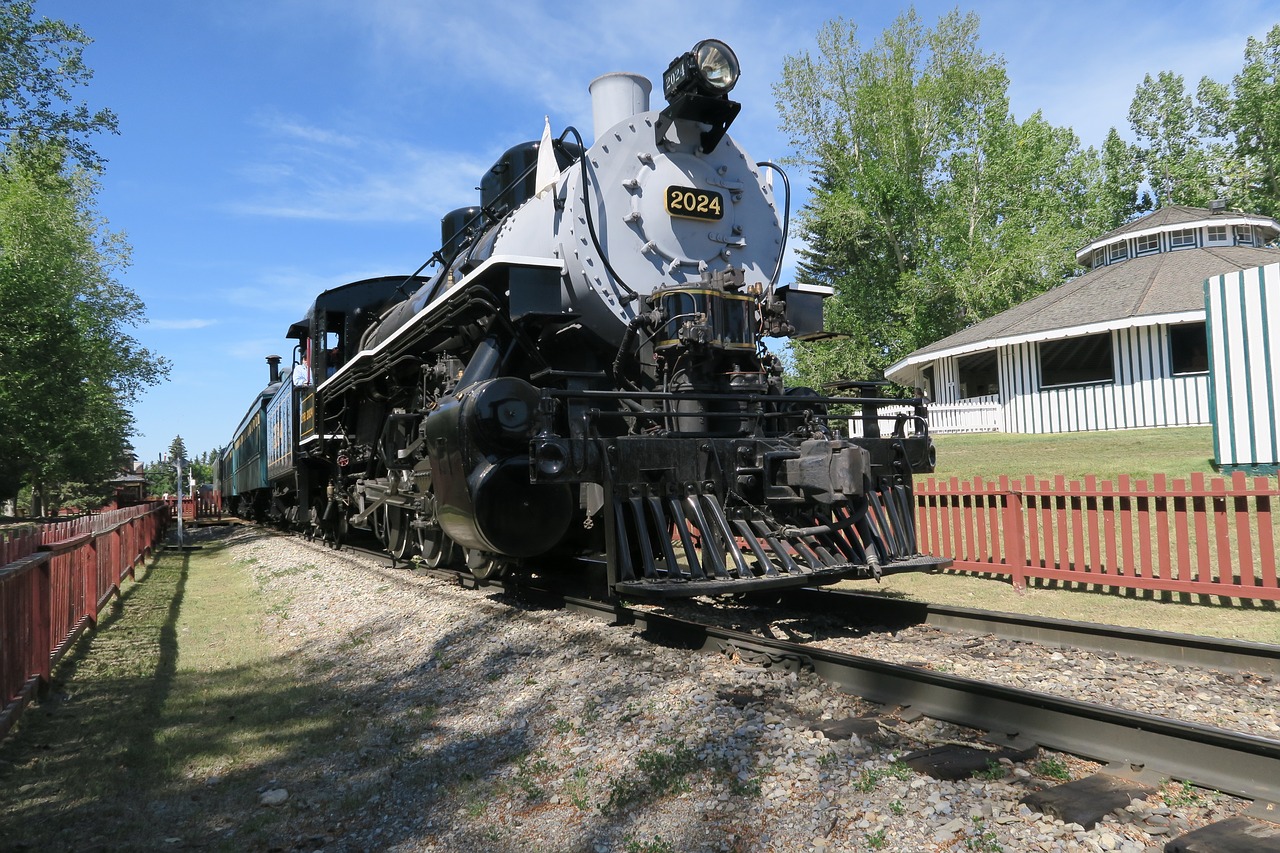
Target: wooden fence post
{"points": [[1015, 552]]}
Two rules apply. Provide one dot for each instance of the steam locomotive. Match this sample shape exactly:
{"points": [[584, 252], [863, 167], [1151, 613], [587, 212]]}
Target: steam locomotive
{"points": [[586, 375]]}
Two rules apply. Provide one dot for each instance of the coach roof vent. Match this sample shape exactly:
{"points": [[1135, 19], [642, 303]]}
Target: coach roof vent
{"points": [[274, 362]]}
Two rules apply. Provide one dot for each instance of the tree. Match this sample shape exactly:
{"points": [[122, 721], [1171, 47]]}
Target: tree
{"points": [[1117, 199], [41, 61], [161, 478], [933, 207], [202, 467], [68, 368], [1177, 164], [1253, 117]]}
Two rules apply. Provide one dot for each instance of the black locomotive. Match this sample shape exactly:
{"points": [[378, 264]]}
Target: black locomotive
{"points": [[585, 375]]}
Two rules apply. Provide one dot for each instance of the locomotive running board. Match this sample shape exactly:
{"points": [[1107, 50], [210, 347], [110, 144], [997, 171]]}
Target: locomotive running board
{"points": [[673, 546]]}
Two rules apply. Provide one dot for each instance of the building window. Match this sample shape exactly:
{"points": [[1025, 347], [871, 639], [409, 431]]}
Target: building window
{"points": [[979, 374], [1188, 349], [1099, 258], [1244, 235], [1217, 233], [1117, 251], [1077, 361], [1183, 239], [1148, 243]]}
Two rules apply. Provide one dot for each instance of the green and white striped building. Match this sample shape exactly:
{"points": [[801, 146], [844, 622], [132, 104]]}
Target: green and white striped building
{"points": [[1122, 346]]}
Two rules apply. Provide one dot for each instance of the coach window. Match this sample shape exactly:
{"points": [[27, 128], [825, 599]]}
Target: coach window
{"points": [[1077, 361], [1188, 349]]}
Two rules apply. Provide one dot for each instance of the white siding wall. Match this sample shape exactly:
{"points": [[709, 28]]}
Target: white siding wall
{"points": [[1243, 315], [1143, 395]]}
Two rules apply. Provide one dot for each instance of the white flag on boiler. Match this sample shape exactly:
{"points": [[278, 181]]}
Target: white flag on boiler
{"points": [[548, 171]]}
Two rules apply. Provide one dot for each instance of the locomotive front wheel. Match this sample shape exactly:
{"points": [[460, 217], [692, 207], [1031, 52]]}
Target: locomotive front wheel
{"points": [[486, 567]]}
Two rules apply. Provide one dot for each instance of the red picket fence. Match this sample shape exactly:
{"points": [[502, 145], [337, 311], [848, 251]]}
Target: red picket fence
{"points": [[1209, 536], [54, 580], [206, 506]]}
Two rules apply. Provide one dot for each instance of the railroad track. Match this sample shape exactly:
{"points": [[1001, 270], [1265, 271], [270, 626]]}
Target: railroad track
{"points": [[1139, 750], [1165, 646]]}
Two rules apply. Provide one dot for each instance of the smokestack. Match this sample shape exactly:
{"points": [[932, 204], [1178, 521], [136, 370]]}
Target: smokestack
{"points": [[617, 96], [274, 361]]}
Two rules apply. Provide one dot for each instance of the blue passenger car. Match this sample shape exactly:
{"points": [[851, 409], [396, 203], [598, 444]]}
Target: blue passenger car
{"points": [[242, 468]]}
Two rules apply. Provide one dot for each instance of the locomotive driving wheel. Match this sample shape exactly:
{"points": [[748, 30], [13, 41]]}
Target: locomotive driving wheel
{"points": [[396, 531], [434, 546]]}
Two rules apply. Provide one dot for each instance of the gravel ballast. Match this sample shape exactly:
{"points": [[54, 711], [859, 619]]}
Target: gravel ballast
{"points": [[484, 724]]}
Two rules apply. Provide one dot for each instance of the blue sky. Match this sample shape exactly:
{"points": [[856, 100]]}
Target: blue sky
{"points": [[269, 150]]}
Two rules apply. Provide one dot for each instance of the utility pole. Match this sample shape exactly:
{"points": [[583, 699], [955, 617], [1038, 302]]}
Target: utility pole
{"points": [[182, 536], [178, 487]]}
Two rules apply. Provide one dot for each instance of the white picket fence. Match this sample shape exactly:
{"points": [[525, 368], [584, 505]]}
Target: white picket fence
{"points": [[976, 414]]}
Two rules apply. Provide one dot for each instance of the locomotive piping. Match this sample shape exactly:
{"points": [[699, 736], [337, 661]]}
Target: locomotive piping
{"points": [[591, 225], [786, 217]]}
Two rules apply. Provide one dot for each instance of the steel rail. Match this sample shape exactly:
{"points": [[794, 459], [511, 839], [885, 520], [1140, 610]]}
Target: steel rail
{"points": [[1211, 652], [1243, 765]]}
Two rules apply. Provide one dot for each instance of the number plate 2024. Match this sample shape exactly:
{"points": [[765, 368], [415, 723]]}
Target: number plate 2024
{"points": [[691, 203]]}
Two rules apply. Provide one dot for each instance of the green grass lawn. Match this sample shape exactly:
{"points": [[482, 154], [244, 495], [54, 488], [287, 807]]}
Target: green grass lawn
{"points": [[1140, 453], [164, 724]]}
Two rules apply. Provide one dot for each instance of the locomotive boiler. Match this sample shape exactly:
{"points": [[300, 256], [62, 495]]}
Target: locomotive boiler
{"points": [[586, 375]]}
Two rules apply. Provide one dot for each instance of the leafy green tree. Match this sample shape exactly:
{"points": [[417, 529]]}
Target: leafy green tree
{"points": [[161, 478], [68, 368], [202, 468], [1117, 198], [933, 206], [1253, 117], [1177, 161], [41, 61]]}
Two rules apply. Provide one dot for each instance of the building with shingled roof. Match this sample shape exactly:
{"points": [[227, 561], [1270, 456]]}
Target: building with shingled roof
{"points": [[1122, 346]]}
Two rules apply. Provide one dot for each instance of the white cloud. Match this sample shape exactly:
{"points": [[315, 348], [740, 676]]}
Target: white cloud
{"points": [[317, 173], [179, 325]]}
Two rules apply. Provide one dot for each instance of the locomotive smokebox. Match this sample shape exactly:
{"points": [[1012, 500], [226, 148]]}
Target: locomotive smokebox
{"points": [[617, 96]]}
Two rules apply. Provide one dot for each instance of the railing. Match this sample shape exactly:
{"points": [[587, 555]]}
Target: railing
{"points": [[193, 509], [1207, 536], [979, 414], [53, 591]]}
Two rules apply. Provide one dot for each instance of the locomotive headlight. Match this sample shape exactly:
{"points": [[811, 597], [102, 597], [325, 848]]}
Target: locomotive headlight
{"points": [[697, 86], [711, 68]]}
